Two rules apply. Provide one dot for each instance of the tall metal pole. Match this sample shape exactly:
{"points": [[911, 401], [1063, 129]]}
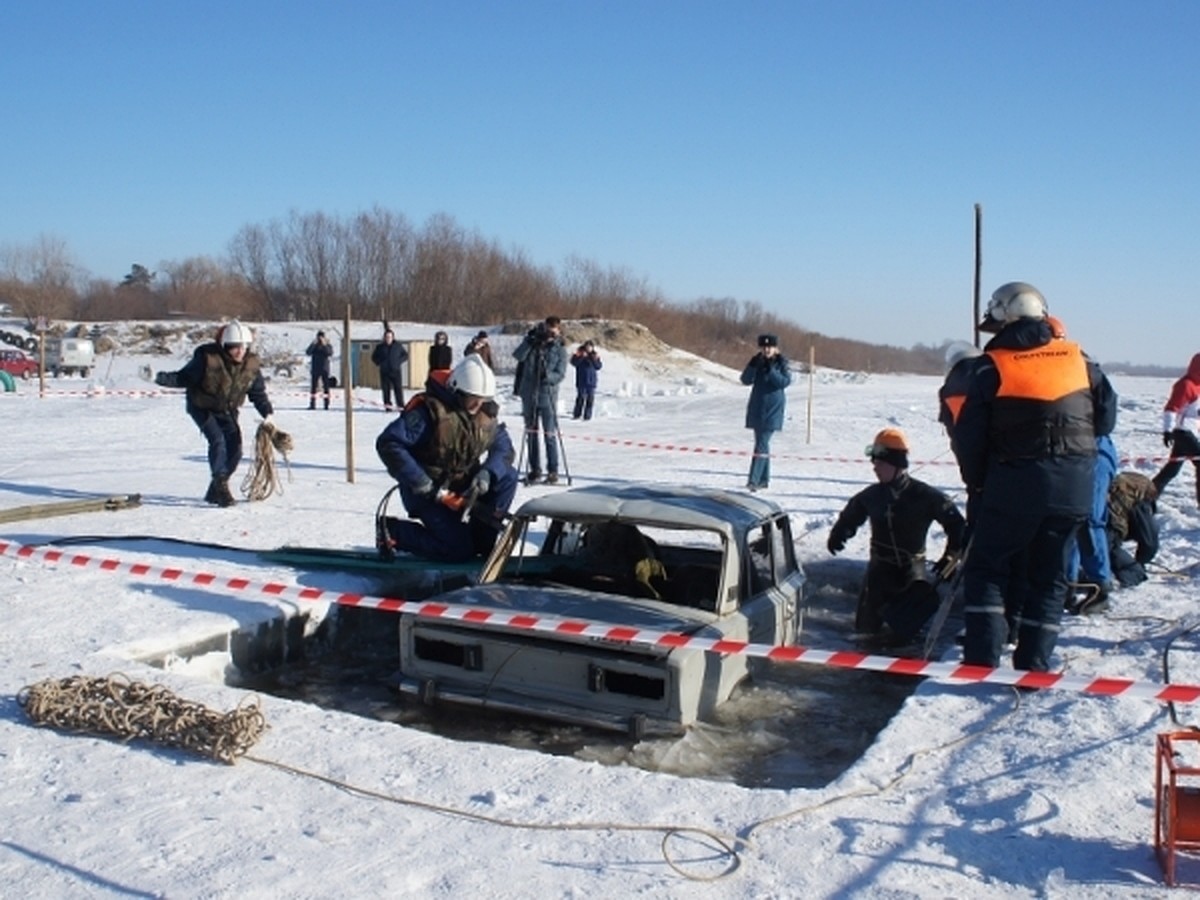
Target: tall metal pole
{"points": [[978, 267], [348, 393]]}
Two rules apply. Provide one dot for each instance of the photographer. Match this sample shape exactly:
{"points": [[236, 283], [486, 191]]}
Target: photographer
{"points": [[587, 363], [320, 351], [541, 364], [768, 375]]}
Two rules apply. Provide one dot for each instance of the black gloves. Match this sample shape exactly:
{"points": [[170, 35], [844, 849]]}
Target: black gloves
{"points": [[836, 543], [167, 379], [1168, 439], [482, 482]]}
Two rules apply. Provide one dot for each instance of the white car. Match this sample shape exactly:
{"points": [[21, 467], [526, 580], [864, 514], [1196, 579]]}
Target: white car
{"points": [[704, 562]]}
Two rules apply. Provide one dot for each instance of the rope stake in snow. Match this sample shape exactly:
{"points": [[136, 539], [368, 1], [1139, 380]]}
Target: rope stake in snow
{"points": [[953, 673]]}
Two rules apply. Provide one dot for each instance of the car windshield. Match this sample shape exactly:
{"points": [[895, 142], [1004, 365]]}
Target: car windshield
{"points": [[680, 566]]}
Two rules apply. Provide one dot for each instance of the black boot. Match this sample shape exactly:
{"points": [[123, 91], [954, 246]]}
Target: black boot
{"points": [[218, 492], [327, 403]]}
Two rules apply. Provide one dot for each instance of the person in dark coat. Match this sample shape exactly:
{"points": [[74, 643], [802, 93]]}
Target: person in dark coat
{"points": [[447, 445], [391, 356], [1132, 499], [1181, 427], [541, 364], [320, 352], [897, 596], [587, 364], [1027, 440], [441, 354], [482, 346], [768, 374], [218, 378]]}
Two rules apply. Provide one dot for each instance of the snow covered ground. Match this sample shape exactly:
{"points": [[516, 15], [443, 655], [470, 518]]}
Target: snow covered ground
{"points": [[969, 792]]}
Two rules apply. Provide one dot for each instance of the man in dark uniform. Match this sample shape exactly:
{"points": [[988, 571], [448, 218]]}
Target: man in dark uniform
{"points": [[218, 378], [897, 591], [445, 445], [1026, 439]]}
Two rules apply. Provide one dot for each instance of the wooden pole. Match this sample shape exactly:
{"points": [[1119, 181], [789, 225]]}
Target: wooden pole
{"points": [[348, 393], [812, 367], [978, 267]]}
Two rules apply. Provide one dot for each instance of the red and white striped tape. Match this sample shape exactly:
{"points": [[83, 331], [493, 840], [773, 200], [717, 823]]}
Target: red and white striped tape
{"points": [[954, 673]]}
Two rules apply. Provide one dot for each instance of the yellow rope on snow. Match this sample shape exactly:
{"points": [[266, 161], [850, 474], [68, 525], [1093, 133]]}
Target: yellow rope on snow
{"points": [[118, 707], [263, 479]]}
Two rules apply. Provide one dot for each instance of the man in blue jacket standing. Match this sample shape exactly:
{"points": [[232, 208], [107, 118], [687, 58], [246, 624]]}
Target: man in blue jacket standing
{"points": [[1027, 441], [768, 375]]}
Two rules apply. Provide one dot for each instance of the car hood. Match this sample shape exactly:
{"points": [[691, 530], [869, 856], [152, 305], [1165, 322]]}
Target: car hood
{"points": [[572, 603]]}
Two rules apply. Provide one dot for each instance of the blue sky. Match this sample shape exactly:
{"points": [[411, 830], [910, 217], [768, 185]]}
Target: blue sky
{"points": [[820, 158]]}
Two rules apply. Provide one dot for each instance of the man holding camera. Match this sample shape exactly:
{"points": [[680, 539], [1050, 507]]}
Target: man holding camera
{"points": [[587, 363], [768, 374], [541, 364], [320, 352]]}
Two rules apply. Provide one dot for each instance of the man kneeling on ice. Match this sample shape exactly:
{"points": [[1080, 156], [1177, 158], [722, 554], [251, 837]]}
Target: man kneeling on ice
{"points": [[897, 597], [434, 451]]}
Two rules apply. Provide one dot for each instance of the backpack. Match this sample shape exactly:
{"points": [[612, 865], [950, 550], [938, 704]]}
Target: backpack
{"points": [[1127, 490]]}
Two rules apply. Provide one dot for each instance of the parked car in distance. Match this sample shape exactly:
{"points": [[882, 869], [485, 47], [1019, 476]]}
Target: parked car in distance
{"points": [[698, 561], [18, 364]]}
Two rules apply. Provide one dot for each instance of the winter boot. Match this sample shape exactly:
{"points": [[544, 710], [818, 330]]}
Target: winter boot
{"points": [[327, 402], [312, 404], [218, 492]]}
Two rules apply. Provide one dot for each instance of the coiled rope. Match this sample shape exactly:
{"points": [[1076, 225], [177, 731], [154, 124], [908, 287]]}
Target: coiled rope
{"points": [[127, 709], [263, 478]]}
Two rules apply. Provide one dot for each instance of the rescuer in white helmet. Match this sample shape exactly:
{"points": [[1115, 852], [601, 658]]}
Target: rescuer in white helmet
{"points": [[449, 454], [218, 378]]}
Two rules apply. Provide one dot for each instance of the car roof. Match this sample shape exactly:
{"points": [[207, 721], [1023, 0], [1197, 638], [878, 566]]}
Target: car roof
{"points": [[684, 506]]}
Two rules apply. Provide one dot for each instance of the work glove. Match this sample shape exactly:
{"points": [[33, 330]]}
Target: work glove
{"points": [[1168, 439], [269, 419], [482, 482], [166, 379], [424, 488], [836, 543], [944, 567]]}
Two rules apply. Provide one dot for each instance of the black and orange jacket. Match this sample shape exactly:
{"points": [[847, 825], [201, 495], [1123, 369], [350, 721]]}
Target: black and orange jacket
{"points": [[1026, 433]]}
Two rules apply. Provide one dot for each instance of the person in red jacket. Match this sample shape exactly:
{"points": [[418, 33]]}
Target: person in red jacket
{"points": [[1181, 427]]}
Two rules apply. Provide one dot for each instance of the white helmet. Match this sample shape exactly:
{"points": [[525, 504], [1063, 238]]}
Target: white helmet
{"points": [[1012, 301], [958, 351], [234, 332], [472, 376]]}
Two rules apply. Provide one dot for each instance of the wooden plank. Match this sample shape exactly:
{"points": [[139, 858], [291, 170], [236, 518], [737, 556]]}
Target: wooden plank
{"points": [[70, 507]]}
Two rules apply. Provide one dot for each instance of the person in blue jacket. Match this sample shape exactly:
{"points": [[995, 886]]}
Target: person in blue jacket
{"points": [[448, 445], [587, 363], [768, 375], [1090, 567], [1027, 441]]}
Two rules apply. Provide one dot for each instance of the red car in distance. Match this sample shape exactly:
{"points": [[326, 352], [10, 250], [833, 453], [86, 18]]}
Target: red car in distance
{"points": [[18, 364]]}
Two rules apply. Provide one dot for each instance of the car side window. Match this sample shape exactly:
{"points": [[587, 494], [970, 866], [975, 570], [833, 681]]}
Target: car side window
{"points": [[761, 545]]}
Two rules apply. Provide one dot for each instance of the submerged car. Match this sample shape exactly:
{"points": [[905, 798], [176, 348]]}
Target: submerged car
{"points": [[704, 562]]}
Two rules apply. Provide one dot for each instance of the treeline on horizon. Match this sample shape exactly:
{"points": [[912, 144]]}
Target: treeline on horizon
{"points": [[311, 266]]}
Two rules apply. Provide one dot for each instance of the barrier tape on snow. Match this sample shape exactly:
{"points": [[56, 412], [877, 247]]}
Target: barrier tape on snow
{"points": [[954, 673], [93, 393]]}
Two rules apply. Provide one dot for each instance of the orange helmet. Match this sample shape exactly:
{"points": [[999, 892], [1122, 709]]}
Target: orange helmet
{"points": [[890, 439]]}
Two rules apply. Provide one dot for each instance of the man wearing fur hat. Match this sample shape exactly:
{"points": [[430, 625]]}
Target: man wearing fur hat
{"points": [[897, 596]]}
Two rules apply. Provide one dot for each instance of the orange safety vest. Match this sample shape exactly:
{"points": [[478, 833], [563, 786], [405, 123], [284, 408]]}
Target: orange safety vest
{"points": [[1043, 405]]}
